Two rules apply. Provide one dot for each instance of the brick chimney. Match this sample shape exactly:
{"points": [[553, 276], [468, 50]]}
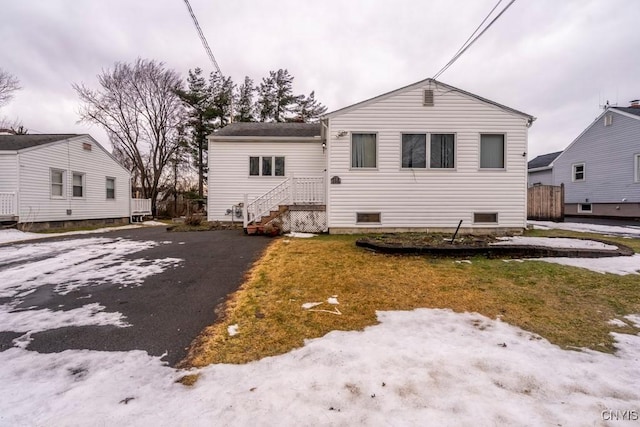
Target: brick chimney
{"points": [[635, 103]]}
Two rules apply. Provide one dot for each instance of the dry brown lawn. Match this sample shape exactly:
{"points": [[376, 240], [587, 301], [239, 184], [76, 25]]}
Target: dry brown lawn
{"points": [[568, 306]]}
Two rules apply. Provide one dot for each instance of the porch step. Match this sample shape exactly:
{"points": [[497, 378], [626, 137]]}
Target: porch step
{"points": [[258, 227]]}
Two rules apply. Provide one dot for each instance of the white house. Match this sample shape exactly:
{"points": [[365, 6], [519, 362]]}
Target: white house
{"points": [[419, 158], [600, 169], [56, 180]]}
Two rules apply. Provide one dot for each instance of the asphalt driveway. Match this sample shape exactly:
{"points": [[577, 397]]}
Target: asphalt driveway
{"points": [[165, 311]]}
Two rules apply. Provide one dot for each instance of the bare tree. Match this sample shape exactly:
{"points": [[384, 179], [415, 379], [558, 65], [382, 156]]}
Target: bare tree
{"points": [[138, 106], [9, 84]]}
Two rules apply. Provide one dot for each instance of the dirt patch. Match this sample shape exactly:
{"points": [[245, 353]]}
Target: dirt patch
{"points": [[439, 245], [205, 226]]}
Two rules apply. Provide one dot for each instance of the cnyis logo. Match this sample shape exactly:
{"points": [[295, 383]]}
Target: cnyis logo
{"points": [[620, 415]]}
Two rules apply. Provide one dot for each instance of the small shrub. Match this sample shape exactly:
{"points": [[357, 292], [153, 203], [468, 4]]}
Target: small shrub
{"points": [[193, 220]]}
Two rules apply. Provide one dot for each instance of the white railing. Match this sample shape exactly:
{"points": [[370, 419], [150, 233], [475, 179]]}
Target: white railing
{"points": [[262, 205], [8, 205], [140, 207], [289, 191], [308, 190]]}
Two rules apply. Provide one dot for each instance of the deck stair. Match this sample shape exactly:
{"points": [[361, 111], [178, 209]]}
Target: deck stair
{"points": [[258, 227]]}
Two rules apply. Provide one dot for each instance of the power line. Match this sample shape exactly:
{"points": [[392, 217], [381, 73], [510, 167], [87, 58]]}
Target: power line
{"points": [[468, 44], [203, 38]]}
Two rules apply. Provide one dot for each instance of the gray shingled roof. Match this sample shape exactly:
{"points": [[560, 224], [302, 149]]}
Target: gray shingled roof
{"points": [[543, 160], [19, 142], [635, 111], [270, 129]]}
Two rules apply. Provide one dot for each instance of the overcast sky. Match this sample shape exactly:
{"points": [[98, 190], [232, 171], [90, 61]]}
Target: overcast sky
{"points": [[557, 60]]}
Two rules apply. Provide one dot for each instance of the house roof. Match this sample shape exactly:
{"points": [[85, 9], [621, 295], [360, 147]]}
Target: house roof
{"points": [[270, 129], [20, 142], [421, 83], [543, 160], [629, 110]]}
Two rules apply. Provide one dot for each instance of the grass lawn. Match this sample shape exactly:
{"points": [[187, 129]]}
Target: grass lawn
{"points": [[568, 306]]}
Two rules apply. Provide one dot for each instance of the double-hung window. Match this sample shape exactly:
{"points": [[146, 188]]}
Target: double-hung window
{"points": [[364, 150], [441, 152], [78, 184], [111, 188], [578, 172], [492, 151], [57, 183], [266, 166]]}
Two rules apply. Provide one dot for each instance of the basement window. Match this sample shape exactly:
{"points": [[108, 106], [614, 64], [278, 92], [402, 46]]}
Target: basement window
{"points": [[485, 218], [585, 208], [368, 217]]}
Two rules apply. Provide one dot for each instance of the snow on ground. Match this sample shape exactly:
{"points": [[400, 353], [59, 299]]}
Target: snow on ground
{"points": [[553, 242], [62, 267], [629, 231], [301, 235], [422, 367], [621, 265], [12, 235]]}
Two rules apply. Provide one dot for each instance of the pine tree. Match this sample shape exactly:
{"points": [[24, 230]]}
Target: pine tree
{"points": [[244, 108], [308, 109], [223, 98], [285, 100], [265, 104], [201, 112]]}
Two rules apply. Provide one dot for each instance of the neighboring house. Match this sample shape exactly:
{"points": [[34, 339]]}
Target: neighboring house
{"points": [[422, 157], [540, 169], [600, 169], [54, 180]]}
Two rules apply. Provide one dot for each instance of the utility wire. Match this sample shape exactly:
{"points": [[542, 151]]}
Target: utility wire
{"points": [[203, 38], [468, 44]]}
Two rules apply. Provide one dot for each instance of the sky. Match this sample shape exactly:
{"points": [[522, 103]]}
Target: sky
{"points": [[558, 61], [420, 367]]}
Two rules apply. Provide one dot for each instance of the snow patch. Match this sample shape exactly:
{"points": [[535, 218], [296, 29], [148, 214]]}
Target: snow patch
{"points": [[553, 242], [301, 235], [232, 330], [628, 231], [308, 305], [617, 322], [420, 366], [333, 300], [463, 261], [621, 265]]}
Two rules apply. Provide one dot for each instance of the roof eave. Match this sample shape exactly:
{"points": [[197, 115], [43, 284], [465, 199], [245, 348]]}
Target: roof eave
{"points": [[244, 138], [541, 169]]}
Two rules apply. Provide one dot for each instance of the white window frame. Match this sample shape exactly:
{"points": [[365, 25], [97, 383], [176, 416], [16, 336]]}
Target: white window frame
{"points": [[574, 172], [580, 210], [63, 186], [377, 151], [504, 151], [636, 168], [106, 184], [427, 136], [82, 176], [273, 167]]}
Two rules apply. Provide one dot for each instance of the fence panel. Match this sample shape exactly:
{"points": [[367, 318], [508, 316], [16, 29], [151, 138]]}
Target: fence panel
{"points": [[545, 202]]}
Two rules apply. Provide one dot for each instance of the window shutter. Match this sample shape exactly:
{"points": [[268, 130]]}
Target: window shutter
{"points": [[427, 100]]}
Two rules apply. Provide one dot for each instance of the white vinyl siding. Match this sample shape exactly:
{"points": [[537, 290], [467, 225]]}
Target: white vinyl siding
{"points": [[8, 172], [229, 174], [36, 203], [441, 197]]}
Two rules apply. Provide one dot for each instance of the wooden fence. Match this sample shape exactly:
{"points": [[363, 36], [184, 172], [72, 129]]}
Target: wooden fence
{"points": [[545, 202]]}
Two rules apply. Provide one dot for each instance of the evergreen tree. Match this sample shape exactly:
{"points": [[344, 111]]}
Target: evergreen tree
{"points": [[202, 111], [284, 98], [244, 108], [222, 95], [265, 105], [308, 109]]}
